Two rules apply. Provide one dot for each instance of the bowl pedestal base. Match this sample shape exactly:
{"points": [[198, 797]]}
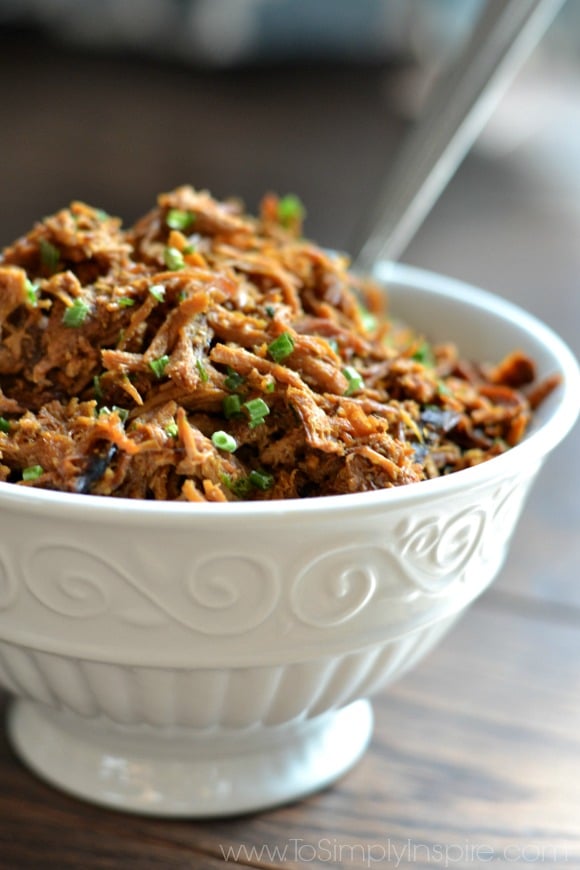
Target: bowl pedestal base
{"points": [[183, 773]]}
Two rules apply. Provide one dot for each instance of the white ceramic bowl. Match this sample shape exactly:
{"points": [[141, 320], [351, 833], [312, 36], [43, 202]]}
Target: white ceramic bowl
{"points": [[201, 660]]}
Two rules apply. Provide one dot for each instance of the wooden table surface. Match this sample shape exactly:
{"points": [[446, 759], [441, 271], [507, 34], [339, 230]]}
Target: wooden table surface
{"points": [[476, 753]]}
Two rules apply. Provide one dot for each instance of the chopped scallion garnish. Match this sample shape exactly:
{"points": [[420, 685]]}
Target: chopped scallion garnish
{"points": [[281, 347], [290, 210], [177, 219], [4, 425], [125, 302], [32, 472], [333, 343], [424, 355], [354, 378], [31, 292], [224, 441], [270, 310], [97, 389], [240, 487], [202, 371], [159, 365], [369, 320], [158, 292], [257, 410], [231, 405], [172, 429], [261, 480], [243, 486], [49, 255], [173, 259], [122, 413], [76, 314], [233, 379]]}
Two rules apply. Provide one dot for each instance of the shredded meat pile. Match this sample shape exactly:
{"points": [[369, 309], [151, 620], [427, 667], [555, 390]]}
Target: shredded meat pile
{"points": [[206, 355]]}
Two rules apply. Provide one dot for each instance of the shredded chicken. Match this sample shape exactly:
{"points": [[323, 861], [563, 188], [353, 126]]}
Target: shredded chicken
{"points": [[208, 355]]}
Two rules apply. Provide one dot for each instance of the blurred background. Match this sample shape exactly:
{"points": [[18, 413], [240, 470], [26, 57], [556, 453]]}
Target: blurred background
{"points": [[116, 100], [113, 101]]}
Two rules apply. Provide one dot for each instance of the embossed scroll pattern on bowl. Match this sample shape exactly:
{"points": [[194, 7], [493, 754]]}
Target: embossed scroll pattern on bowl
{"points": [[423, 556]]}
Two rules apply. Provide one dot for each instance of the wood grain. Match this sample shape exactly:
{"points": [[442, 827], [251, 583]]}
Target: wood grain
{"points": [[479, 746]]}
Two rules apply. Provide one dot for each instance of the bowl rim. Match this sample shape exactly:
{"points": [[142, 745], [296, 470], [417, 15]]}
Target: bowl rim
{"points": [[529, 452]]}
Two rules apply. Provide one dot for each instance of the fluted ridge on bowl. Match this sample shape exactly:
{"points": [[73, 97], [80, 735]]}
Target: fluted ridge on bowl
{"points": [[210, 698]]}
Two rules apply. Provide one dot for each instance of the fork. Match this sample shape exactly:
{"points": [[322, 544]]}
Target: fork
{"points": [[460, 104]]}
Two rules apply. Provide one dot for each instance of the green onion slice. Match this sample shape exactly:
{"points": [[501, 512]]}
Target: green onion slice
{"points": [[122, 413], [241, 486], [97, 388], [290, 209], [177, 219], [424, 355], [32, 472], [281, 347], [224, 441], [76, 314], [202, 371], [355, 381], [49, 255], [125, 302], [256, 409], [159, 365], [173, 259], [158, 292], [232, 405], [172, 429], [31, 292], [261, 480], [369, 320], [233, 380], [4, 425]]}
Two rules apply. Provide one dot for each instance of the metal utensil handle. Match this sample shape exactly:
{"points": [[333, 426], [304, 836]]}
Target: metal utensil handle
{"points": [[505, 34]]}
